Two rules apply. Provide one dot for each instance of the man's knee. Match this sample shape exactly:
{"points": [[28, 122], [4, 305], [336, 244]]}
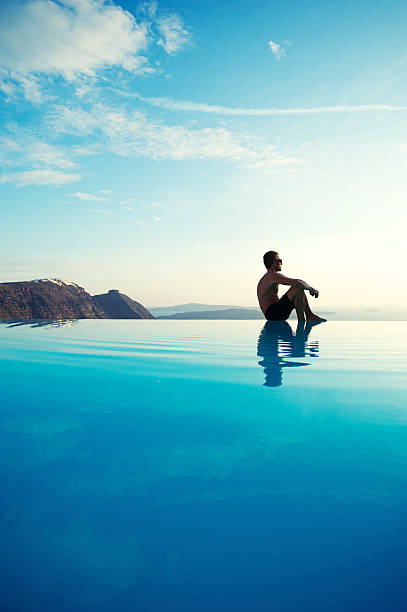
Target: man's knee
{"points": [[295, 291]]}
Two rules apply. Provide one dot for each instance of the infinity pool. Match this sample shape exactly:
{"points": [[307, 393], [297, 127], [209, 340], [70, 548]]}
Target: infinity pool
{"points": [[203, 466]]}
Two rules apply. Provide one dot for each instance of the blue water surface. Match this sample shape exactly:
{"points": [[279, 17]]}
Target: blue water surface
{"points": [[203, 466]]}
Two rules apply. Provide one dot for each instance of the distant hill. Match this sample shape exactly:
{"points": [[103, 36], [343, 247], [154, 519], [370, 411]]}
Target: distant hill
{"points": [[227, 314], [119, 306], [159, 311], [51, 298]]}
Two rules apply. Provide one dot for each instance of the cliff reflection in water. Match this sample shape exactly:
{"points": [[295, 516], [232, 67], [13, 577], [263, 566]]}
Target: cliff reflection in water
{"points": [[278, 345], [39, 322]]}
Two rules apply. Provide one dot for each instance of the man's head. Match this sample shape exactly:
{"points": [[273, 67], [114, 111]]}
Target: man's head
{"points": [[272, 260]]}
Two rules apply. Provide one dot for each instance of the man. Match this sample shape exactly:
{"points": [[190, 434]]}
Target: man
{"points": [[275, 309]]}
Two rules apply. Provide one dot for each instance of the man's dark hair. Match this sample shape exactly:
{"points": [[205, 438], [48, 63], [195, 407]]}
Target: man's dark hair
{"points": [[268, 258]]}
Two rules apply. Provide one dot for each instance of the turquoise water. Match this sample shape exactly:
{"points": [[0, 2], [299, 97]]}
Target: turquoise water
{"points": [[203, 466]]}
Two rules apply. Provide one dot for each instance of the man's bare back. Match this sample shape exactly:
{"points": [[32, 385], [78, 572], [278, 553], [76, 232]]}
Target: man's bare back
{"points": [[267, 291], [274, 308]]}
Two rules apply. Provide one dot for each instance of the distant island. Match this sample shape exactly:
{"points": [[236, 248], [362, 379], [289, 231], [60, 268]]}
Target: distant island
{"points": [[236, 314], [162, 311]]}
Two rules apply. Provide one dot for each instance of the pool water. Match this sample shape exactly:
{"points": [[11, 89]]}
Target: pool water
{"points": [[203, 466]]}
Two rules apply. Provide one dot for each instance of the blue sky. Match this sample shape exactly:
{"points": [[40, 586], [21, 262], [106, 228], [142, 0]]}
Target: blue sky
{"points": [[161, 148]]}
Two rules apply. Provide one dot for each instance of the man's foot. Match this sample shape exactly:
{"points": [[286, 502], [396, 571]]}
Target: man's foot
{"points": [[315, 319]]}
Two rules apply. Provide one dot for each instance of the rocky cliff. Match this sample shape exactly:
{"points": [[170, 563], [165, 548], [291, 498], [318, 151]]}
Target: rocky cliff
{"points": [[57, 299], [119, 306]]}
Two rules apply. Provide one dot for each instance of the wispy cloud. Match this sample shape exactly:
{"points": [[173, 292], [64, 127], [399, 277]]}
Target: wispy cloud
{"points": [[130, 133], [25, 150], [50, 155], [128, 201], [44, 163], [276, 49], [216, 109], [40, 177], [174, 35], [86, 196], [100, 211]]}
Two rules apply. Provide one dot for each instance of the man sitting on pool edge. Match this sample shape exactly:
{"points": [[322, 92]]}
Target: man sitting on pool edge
{"points": [[275, 309]]}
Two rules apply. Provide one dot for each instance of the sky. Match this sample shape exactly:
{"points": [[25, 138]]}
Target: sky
{"points": [[161, 148]]}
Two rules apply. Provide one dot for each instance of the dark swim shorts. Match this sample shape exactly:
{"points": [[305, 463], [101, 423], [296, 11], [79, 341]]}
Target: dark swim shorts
{"points": [[281, 310]]}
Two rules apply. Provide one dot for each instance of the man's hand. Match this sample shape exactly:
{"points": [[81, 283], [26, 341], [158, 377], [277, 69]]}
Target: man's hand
{"points": [[314, 292]]}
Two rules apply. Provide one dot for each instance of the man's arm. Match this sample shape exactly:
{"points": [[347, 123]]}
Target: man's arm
{"points": [[296, 282]]}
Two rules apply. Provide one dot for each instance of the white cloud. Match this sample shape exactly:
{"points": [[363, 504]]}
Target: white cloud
{"points": [[86, 196], [69, 37], [215, 109], [276, 49], [156, 219], [76, 39], [44, 176], [105, 190], [173, 33]]}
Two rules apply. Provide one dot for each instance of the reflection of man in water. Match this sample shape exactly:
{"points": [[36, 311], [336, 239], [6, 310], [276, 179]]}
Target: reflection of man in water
{"points": [[275, 309], [277, 343]]}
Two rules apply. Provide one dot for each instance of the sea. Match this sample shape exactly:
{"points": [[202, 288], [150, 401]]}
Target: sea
{"points": [[203, 466]]}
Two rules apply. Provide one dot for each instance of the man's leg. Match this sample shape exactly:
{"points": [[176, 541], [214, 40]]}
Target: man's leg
{"points": [[309, 314], [301, 305], [307, 309], [297, 296]]}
